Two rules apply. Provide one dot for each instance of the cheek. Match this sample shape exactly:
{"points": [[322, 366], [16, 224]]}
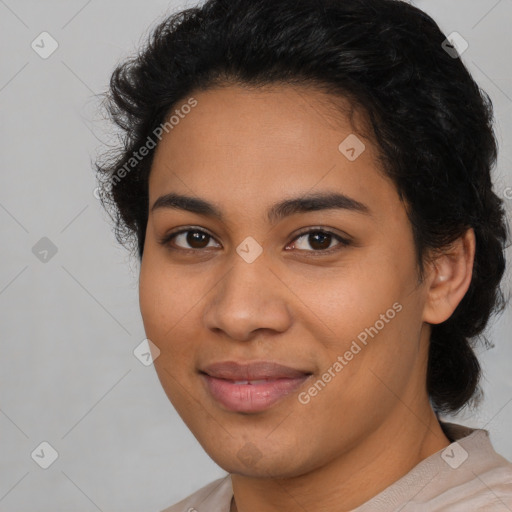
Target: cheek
{"points": [[366, 368], [166, 297], [354, 296], [367, 314]]}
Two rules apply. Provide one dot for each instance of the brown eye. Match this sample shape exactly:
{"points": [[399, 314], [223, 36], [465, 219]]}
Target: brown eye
{"points": [[314, 241], [188, 239], [197, 239], [319, 241]]}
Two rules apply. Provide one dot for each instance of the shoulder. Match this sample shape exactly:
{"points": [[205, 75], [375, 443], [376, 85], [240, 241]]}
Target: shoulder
{"points": [[475, 476], [468, 476], [488, 491], [214, 497]]}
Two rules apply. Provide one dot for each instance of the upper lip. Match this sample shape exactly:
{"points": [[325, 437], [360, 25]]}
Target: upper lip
{"points": [[255, 370]]}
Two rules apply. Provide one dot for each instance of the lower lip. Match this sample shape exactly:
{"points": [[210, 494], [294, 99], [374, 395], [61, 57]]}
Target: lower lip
{"points": [[251, 397]]}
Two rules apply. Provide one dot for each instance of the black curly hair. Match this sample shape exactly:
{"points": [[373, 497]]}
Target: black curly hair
{"points": [[430, 120]]}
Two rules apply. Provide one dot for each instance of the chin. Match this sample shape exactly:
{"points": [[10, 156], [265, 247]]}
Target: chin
{"points": [[251, 460]]}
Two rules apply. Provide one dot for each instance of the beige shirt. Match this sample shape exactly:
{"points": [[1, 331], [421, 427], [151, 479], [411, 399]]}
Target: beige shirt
{"points": [[466, 476]]}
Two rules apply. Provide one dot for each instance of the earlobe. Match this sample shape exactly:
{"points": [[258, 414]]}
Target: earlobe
{"points": [[449, 278]]}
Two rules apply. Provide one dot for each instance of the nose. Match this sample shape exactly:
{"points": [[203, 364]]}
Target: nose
{"points": [[248, 299]]}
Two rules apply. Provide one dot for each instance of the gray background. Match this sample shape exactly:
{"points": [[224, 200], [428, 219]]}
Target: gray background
{"points": [[69, 325]]}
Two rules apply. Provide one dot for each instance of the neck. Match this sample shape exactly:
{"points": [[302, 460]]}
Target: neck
{"points": [[352, 479]]}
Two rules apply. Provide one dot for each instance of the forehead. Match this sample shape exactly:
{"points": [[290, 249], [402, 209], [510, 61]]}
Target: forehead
{"points": [[264, 118], [244, 145]]}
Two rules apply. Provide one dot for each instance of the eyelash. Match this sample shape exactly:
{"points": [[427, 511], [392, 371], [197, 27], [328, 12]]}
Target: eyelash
{"points": [[343, 242]]}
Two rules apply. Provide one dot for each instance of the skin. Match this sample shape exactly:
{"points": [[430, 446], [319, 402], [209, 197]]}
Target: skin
{"points": [[245, 149]]}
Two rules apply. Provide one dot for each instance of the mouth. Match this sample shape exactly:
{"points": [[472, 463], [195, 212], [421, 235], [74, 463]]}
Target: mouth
{"points": [[251, 387]]}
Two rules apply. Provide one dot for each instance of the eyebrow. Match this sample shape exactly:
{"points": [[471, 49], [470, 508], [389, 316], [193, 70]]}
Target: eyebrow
{"points": [[278, 211]]}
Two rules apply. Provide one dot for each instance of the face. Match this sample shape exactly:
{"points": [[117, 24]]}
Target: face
{"points": [[328, 289]]}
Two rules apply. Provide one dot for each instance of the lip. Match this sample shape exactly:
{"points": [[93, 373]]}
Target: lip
{"points": [[252, 370], [227, 383]]}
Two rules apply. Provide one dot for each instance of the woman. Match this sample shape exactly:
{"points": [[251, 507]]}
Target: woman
{"points": [[307, 186]]}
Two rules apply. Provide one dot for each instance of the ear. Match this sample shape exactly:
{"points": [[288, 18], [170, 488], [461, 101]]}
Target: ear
{"points": [[449, 278]]}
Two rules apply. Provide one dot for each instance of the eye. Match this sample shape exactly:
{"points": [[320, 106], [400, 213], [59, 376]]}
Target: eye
{"points": [[321, 241], [317, 238], [196, 239]]}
